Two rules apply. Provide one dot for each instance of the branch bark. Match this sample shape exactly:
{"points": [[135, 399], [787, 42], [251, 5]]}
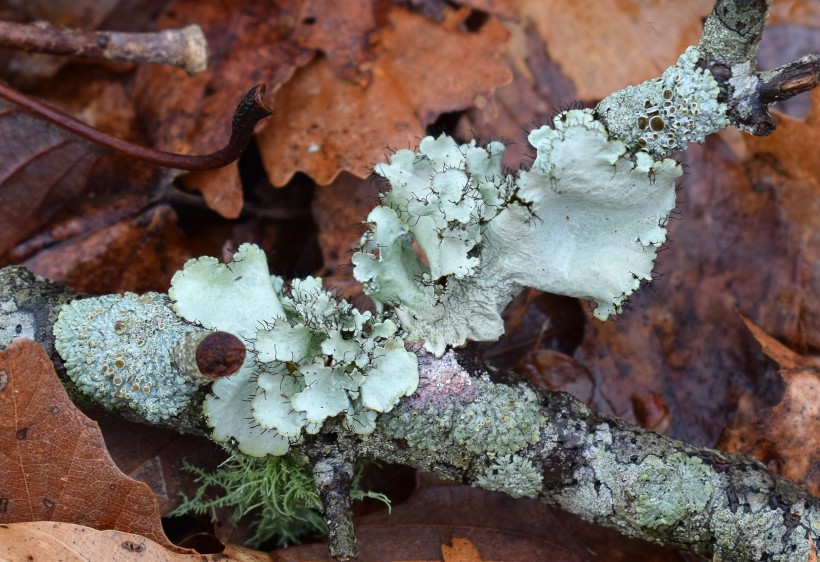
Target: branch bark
{"points": [[185, 48], [472, 424]]}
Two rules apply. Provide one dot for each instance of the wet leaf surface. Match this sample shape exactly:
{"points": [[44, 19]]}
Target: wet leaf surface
{"points": [[441, 515], [786, 437]]}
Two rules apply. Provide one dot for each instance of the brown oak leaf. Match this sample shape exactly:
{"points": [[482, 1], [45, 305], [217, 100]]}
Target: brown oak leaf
{"points": [[54, 465]]}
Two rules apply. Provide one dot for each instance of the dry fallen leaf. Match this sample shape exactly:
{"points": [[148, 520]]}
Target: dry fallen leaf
{"points": [[786, 437], [139, 252], [68, 542], [42, 171], [324, 124], [604, 46], [54, 465]]}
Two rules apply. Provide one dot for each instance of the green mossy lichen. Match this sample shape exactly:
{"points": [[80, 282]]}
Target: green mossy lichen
{"points": [[279, 491], [671, 489]]}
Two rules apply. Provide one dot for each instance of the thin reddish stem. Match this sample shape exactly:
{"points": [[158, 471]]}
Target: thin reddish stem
{"points": [[248, 113]]}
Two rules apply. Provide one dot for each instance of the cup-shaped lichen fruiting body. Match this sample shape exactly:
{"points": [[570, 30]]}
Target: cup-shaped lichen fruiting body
{"points": [[207, 356], [118, 350]]}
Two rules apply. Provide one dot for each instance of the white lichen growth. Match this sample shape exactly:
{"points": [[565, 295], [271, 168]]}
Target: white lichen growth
{"points": [[514, 475], [314, 356], [454, 240], [670, 489], [118, 350]]}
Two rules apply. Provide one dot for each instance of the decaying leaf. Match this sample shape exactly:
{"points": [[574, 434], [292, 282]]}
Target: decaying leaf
{"points": [[604, 46], [496, 526], [324, 124], [54, 465], [461, 550], [68, 542], [41, 171], [786, 437]]}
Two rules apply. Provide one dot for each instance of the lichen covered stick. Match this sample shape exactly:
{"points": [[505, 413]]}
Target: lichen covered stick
{"points": [[322, 382], [470, 424]]}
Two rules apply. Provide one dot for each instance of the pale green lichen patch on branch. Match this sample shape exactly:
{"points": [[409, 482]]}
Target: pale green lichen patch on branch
{"points": [[495, 420], [118, 350], [664, 115], [671, 489], [514, 475], [314, 356]]}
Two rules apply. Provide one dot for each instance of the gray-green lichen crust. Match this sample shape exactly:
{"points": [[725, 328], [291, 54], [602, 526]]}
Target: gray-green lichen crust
{"points": [[117, 350], [514, 475], [664, 115], [671, 489], [497, 420]]}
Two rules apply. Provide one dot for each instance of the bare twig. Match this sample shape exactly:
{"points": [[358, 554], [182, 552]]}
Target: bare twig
{"points": [[248, 113], [790, 79], [185, 48]]}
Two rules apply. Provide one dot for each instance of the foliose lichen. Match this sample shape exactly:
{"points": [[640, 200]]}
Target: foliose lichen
{"points": [[314, 356], [496, 420], [118, 349], [454, 239], [514, 475], [671, 489]]}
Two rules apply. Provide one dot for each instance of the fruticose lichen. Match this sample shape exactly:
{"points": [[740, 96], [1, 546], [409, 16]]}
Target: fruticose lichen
{"points": [[496, 420], [314, 356], [514, 475], [279, 490], [118, 349], [671, 489], [454, 239]]}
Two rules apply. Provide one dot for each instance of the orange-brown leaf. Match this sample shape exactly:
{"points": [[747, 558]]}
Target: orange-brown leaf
{"points": [[324, 124], [54, 465], [786, 437]]}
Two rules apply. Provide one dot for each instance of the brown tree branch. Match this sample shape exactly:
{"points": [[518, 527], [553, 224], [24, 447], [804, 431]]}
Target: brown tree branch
{"points": [[185, 48]]}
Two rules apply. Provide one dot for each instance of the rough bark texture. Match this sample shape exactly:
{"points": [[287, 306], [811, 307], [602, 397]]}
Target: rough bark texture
{"points": [[472, 424], [185, 48]]}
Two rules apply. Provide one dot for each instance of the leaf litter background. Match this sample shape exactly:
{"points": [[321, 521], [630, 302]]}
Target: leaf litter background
{"points": [[719, 351]]}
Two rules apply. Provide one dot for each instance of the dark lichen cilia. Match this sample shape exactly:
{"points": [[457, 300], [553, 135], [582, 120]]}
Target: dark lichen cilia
{"points": [[118, 350]]}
